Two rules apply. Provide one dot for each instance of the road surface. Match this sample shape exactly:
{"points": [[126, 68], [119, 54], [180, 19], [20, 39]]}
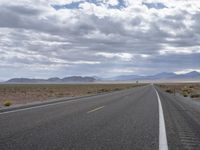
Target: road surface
{"points": [[124, 120]]}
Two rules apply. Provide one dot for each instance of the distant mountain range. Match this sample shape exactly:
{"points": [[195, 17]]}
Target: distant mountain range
{"points": [[164, 76], [72, 79]]}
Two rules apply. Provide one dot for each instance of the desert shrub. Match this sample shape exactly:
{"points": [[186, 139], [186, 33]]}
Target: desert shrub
{"points": [[59, 94], [194, 95], [185, 95], [103, 90], [117, 89], [187, 90], [51, 91], [169, 91], [7, 103]]}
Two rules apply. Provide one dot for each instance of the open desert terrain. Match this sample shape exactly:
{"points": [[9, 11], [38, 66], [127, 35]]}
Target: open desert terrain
{"points": [[191, 90], [28, 93]]}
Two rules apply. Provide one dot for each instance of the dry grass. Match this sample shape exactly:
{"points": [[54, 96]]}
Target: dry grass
{"points": [[186, 89], [195, 95], [7, 103], [26, 93]]}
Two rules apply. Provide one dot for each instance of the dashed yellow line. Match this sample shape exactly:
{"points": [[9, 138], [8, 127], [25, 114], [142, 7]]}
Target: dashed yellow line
{"points": [[98, 108]]}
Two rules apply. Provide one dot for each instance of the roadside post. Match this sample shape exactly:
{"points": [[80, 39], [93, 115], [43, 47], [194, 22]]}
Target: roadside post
{"points": [[174, 91]]}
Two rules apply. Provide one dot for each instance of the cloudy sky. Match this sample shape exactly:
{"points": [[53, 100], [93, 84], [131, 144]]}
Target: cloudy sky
{"points": [[47, 38]]}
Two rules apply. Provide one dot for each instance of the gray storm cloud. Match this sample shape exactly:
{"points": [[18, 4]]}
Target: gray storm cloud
{"points": [[38, 40]]}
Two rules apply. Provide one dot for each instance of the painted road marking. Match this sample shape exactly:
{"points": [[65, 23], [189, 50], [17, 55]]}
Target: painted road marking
{"points": [[162, 130], [98, 108]]}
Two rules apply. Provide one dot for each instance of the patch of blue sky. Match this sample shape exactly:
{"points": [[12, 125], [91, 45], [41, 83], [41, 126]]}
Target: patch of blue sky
{"points": [[75, 5], [154, 5], [121, 4]]}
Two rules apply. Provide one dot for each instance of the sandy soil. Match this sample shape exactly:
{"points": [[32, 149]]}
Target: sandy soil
{"points": [[185, 89], [27, 93]]}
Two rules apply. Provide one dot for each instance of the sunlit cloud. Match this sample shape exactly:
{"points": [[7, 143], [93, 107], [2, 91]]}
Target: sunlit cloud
{"points": [[121, 56]]}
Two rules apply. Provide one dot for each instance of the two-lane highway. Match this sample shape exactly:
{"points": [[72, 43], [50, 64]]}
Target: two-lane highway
{"points": [[124, 120]]}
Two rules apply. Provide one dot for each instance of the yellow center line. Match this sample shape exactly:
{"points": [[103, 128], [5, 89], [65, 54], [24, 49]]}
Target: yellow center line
{"points": [[95, 109]]}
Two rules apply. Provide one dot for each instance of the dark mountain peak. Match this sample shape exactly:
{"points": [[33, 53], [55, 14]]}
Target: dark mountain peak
{"points": [[192, 73]]}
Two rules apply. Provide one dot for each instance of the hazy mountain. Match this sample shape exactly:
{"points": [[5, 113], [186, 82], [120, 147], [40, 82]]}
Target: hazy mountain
{"points": [[137, 77], [25, 80], [164, 76], [52, 80], [125, 78], [98, 78], [193, 76], [55, 79], [78, 79]]}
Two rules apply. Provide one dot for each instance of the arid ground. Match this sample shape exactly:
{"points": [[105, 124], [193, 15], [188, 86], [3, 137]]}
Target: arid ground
{"points": [[27, 93], [191, 90]]}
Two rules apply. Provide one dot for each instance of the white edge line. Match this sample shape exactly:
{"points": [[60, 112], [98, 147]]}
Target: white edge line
{"points": [[95, 109], [41, 106], [162, 130]]}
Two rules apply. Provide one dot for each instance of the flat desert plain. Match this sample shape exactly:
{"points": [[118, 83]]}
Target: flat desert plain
{"points": [[28, 93]]}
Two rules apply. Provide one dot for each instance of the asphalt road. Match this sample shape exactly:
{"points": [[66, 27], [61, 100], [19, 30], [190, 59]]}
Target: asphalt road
{"points": [[123, 120]]}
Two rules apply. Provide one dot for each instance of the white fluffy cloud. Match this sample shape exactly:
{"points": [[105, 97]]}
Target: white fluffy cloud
{"points": [[89, 37], [122, 56]]}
